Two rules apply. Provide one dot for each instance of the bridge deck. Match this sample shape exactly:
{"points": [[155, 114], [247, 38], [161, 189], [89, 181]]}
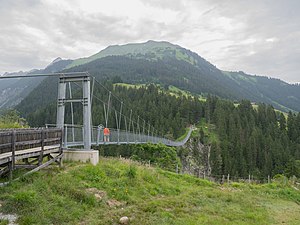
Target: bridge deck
{"points": [[28, 153]]}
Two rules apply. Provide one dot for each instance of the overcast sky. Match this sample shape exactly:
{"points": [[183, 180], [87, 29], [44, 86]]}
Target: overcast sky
{"points": [[258, 37]]}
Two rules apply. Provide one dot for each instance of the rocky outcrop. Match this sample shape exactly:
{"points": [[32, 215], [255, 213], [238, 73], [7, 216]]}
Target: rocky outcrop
{"points": [[195, 157]]}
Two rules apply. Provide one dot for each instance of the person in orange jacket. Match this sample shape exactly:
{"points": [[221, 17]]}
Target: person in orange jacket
{"points": [[106, 132]]}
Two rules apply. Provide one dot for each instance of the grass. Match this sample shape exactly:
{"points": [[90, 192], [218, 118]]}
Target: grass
{"points": [[209, 131], [184, 135], [4, 222], [136, 86], [147, 196], [173, 91]]}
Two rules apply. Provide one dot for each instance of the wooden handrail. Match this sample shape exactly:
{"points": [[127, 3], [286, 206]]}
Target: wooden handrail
{"points": [[12, 140]]}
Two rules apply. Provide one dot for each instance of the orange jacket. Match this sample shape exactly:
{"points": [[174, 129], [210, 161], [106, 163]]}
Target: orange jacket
{"points": [[106, 131]]}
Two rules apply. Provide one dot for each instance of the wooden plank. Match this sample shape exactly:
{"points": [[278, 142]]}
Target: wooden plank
{"points": [[5, 145], [43, 165], [26, 153], [20, 166], [30, 142], [4, 170]]}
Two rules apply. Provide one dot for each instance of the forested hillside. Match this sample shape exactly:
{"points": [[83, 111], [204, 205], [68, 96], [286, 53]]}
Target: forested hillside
{"points": [[253, 141], [281, 95], [168, 114], [258, 141]]}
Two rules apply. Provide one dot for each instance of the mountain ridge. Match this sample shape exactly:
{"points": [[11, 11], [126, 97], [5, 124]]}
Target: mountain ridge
{"points": [[13, 91], [168, 64]]}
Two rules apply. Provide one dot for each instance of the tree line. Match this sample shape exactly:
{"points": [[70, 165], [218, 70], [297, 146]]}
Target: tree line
{"points": [[259, 141]]}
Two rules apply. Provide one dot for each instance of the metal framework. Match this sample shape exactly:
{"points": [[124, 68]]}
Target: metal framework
{"points": [[85, 100]]}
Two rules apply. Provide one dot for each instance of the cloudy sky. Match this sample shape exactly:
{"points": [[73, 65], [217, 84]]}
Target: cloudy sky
{"points": [[258, 37]]}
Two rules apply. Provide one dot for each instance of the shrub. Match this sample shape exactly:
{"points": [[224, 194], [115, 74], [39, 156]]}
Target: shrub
{"points": [[131, 172]]}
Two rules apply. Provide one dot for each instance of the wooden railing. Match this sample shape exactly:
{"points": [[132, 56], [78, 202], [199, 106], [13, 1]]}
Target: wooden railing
{"points": [[12, 140]]}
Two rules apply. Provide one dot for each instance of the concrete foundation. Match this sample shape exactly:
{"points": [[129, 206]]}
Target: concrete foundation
{"points": [[91, 156]]}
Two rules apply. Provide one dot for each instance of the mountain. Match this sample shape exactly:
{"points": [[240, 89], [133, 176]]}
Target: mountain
{"points": [[13, 91], [272, 91], [168, 64], [151, 50]]}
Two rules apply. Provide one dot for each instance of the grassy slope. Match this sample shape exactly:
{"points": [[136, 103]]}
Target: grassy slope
{"points": [[173, 91], [149, 196], [209, 131]]}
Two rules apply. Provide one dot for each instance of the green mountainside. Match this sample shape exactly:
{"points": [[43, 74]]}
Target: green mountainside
{"points": [[151, 50], [278, 93], [167, 64]]}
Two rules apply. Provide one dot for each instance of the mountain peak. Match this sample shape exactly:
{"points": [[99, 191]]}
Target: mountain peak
{"points": [[149, 50], [55, 61]]}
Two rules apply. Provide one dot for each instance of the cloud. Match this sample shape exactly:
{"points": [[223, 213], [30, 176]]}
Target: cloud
{"points": [[259, 37]]}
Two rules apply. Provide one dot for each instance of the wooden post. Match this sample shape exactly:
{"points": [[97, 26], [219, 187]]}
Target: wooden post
{"points": [[268, 179], [13, 154], [249, 179], [10, 171], [223, 179], [42, 147], [228, 178]]}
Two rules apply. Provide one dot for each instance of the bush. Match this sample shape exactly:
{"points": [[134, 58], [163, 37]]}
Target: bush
{"points": [[131, 172], [280, 179]]}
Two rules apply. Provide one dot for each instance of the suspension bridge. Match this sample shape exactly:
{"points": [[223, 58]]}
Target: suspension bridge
{"points": [[32, 146]]}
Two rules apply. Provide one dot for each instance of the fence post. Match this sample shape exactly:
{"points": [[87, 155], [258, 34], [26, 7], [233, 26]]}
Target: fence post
{"points": [[268, 179], [42, 147], [249, 179], [228, 178], [13, 154]]}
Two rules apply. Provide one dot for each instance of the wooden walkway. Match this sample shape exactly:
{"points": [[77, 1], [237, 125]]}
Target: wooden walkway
{"points": [[28, 153], [29, 148]]}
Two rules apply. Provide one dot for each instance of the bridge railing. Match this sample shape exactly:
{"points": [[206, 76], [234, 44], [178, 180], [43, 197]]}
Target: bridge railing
{"points": [[21, 139], [73, 136]]}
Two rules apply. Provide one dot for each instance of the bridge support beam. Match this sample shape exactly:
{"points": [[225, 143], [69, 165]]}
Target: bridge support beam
{"points": [[61, 97], [85, 100], [86, 113]]}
